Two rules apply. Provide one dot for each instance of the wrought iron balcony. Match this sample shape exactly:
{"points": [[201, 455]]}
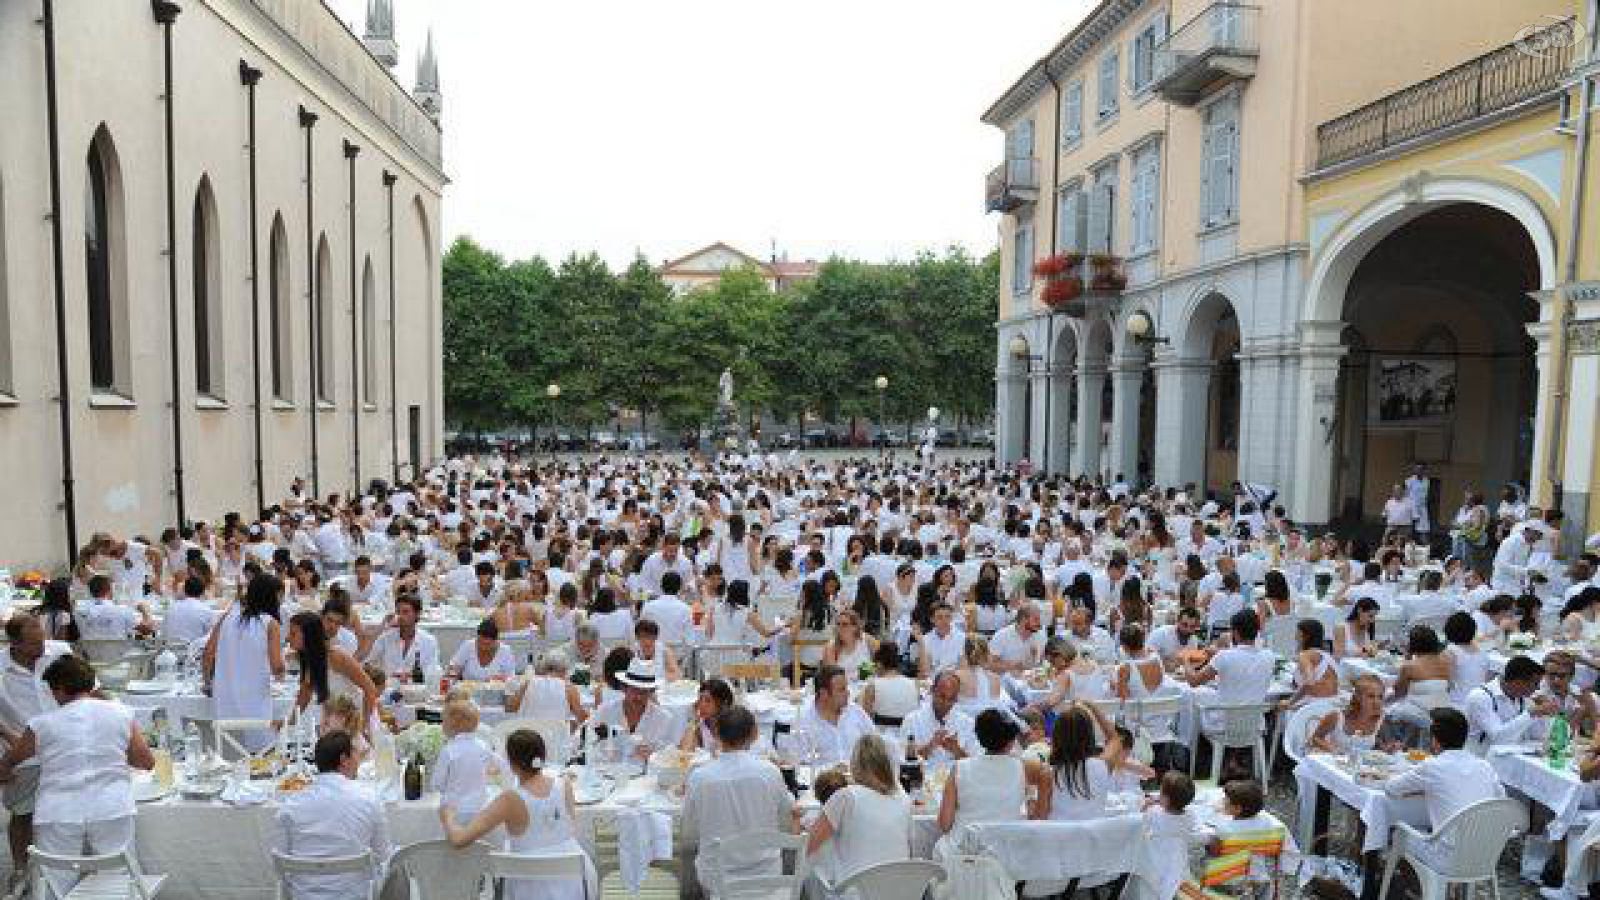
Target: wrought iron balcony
{"points": [[1495, 81], [1012, 184], [1216, 47]]}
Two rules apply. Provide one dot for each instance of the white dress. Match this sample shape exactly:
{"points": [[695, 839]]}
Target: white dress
{"points": [[241, 685], [550, 830], [1471, 670], [560, 627], [893, 698], [989, 788], [731, 625], [545, 698], [1069, 806]]}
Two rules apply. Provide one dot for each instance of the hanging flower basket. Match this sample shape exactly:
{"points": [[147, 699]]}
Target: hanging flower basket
{"points": [[1106, 274], [1051, 267], [1061, 291]]}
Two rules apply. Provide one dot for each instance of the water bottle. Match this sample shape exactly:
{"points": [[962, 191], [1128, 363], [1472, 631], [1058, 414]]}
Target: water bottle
{"points": [[192, 747], [1558, 740], [166, 665]]}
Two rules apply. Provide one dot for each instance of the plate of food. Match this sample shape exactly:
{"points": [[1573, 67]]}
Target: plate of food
{"points": [[293, 784], [265, 766]]}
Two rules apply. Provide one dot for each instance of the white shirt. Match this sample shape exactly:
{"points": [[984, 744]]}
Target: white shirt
{"points": [[1494, 718], [1097, 644], [921, 726], [1397, 511], [391, 653], [736, 793], [868, 828], [465, 661], [1166, 642], [672, 614], [1010, 646], [460, 775], [833, 742], [23, 695], [1244, 673], [656, 565], [83, 762], [943, 651], [657, 727], [1448, 783], [102, 620], [188, 619], [333, 817]]}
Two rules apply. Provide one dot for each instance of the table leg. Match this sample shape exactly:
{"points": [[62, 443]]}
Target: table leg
{"points": [[1371, 874], [1321, 813]]}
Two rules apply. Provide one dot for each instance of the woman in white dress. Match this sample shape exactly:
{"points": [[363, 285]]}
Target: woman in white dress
{"points": [[244, 654], [1315, 673], [735, 550], [867, 822], [889, 695], [1469, 665], [992, 787], [561, 619], [538, 817], [328, 670], [610, 623], [1356, 726], [1357, 634], [850, 647], [1425, 676], [980, 688], [1080, 775], [547, 693], [734, 620]]}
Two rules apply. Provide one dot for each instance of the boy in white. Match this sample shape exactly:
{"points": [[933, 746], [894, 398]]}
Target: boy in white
{"points": [[461, 773]]}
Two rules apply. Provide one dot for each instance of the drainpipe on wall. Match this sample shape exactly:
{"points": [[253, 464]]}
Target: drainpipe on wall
{"points": [[389, 178], [166, 12], [1050, 318], [351, 151], [1554, 453], [249, 76], [308, 121], [69, 506]]}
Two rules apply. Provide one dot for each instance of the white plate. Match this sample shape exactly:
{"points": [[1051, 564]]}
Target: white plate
{"points": [[205, 790], [149, 687]]}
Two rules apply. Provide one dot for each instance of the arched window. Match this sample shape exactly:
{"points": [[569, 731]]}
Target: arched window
{"points": [[278, 311], [323, 326], [208, 343], [369, 318], [103, 269]]}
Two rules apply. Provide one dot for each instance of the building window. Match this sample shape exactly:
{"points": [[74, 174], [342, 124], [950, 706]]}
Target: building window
{"points": [[208, 373], [322, 327], [97, 269], [1110, 65], [1022, 259], [369, 341], [1103, 210], [1142, 59], [1219, 189], [1072, 114], [1145, 197], [1072, 212], [278, 311]]}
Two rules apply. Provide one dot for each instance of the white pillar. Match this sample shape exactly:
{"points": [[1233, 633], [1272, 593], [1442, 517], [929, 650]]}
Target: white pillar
{"points": [[1036, 406], [1059, 446], [1542, 333], [1086, 450], [1316, 422], [1009, 387], [1126, 378], [1183, 407]]}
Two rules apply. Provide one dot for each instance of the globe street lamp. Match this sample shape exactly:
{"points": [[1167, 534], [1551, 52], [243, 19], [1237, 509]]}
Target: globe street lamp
{"points": [[1142, 329], [882, 384], [553, 391]]}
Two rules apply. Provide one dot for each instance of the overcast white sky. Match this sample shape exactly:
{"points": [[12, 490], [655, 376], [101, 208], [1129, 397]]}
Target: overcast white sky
{"points": [[844, 127]]}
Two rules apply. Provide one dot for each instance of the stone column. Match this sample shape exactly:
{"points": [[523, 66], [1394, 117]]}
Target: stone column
{"points": [[1183, 407], [1310, 490], [1126, 375], [1059, 446], [1086, 448], [1008, 386]]}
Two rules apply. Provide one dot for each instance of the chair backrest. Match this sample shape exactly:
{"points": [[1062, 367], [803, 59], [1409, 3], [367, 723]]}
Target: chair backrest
{"points": [[1475, 837], [751, 671], [556, 733], [227, 745], [1237, 724], [740, 849], [286, 866], [1302, 722], [1280, 635], [1387, 627], [902, 879], [438, 869], [713, 659], [39, 861], [536, 867], [799, 644]]}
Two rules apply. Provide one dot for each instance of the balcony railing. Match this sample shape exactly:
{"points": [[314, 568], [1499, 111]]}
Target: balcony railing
{"points": [[1495, 81], [1011, 184], [1217, 46]]}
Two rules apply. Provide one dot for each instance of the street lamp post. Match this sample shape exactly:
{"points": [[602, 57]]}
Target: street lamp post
{"points": [[882, 384], [553, 391]]}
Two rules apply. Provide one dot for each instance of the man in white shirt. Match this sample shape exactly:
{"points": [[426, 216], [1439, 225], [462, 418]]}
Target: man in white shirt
{"points": [[1243, 672], [937, 730], [1428, 602], [735, 793], [1072, 563], [364, 585], [23, 695], [1090, 639], [1452, 779], [1501, 712], [333, 547], [667, 559], [1511, 559], [334, 817], [636, 717], [403, 647], [1398, 515], [102, 620], [191, 616], [460, 580], [943, 647], [831, 723], [669, 612], [1168, 641], [1417, 495], [1019, 646]]}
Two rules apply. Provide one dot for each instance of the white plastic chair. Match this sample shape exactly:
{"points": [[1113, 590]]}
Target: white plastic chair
{"points": [[1234, 726], [711, 658], [438, 869], [536, 867], [287, 866], [109, 876], [1465, 849], [556, 733], [1301, 722], [903, 879], [745, 846]]}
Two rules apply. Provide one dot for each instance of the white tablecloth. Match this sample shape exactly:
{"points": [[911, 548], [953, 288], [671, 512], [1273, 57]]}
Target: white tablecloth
{"points": [[1561, 792], [1378, 811]]}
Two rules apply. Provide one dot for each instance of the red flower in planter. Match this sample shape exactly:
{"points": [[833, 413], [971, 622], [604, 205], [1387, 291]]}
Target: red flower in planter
{"points": [[1051, 267], [1061, 291]]}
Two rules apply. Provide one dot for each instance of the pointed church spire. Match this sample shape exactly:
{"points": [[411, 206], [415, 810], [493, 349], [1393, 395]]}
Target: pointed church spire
{"points": [[380, 32], [427, 89]]}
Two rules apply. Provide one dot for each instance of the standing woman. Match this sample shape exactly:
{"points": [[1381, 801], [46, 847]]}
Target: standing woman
{"points": [[244, 654], [328, 670], [85, 748], [55, 611]]}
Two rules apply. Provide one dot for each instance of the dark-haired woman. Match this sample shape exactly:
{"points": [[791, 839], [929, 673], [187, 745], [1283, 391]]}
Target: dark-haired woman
{"points": [[1425, 676], [871, 609], [327, 670], [56, 612], [244, 654], [538, 817], [993, 786], [1080, 775]]}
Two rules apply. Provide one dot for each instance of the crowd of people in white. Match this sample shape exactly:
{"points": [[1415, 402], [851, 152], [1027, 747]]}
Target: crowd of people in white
{"points": [[954, 618]]}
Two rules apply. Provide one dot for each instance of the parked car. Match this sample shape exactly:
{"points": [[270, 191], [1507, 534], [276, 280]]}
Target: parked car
{"points": [[984, 438], [821, 437], [603, 441]]}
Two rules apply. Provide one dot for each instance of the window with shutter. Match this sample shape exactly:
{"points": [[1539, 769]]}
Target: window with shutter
{"points": [[1220, 189], [1072, 113], [1022, 261], [1103, 211], [1146, 192], [1109, 66], [1073, 225]]}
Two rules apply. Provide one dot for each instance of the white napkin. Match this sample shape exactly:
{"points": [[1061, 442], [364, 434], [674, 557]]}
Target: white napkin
{"points": [[643, 837], [243, 794]]}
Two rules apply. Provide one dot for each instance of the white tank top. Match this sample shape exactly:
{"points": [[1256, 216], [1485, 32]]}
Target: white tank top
{"points": [[990, 789], [545, 698]]}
